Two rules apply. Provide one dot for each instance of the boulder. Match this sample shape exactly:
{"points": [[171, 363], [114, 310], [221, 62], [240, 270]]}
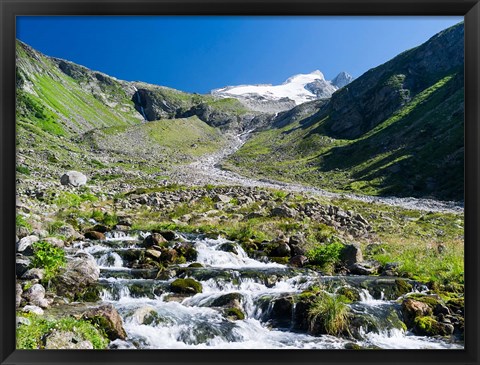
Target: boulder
{"points": [[79, 273], [298, 260], [24, 246], [22, 263], [62, 340], [109, 320], [145, 315], [33, 309], [154, 239], [279, 249], [284, 212], [94, 235], [186, 286], [34, 273], [351, 254], [412, 309], [54, 241], [364, 268], [69, 232], [73, 178], [35, 295], [229, 247]]}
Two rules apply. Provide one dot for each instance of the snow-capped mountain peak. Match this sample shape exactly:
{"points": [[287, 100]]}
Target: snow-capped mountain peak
{"points": [[295, 90]]}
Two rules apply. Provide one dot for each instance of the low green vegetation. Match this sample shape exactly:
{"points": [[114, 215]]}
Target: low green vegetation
{"points": [[48, 257], [32, 336], [326, 255], [330, 313]]}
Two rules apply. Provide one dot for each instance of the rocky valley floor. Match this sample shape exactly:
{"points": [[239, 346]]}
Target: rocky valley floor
{"points": [[191, 256]]}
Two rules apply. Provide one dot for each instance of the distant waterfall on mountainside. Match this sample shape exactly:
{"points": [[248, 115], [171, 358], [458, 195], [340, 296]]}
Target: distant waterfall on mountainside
{"points": [[139, 101]]}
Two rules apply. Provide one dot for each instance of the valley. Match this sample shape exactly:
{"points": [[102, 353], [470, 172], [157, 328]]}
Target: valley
{"points": [[205, 221]]}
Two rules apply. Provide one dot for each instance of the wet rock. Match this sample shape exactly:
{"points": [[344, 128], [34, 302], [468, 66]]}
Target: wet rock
{"points": [[228, 300], [153, 239], [79, 273], [350, 293], [234, 314], [108, 318], [100, 228], [73, 178], [351, 254], [298, 260], [186, 286], [153, 253], [169, 235], [169, 255], [412, 309], [279, 249], [187, 250], [145, 315], [94, 235], [429, 326], [24, 246], [229, 247], [66, 340], [364, 268]]}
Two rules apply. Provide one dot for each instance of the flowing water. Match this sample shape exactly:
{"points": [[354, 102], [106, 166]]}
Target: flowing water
{"points": [[154, 318]]}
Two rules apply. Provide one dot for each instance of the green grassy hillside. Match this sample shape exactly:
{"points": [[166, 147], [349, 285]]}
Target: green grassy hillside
{"points": [[413, 148]]}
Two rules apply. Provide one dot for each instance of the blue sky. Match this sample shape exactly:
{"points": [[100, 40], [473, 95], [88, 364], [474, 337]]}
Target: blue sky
{"points": [[197, 54]]}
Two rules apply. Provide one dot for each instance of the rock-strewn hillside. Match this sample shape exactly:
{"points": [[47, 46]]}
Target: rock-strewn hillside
{"points": [[396, 130]]}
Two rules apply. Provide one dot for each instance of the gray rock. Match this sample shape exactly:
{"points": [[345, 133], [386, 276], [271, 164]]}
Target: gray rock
{"points": [[33, 309], [34, 273], [36, 295], [144, 315], [54, 241], [25, 245], [67, 340], [79, 273], [23, 321], [284, 212], [22, 263], [69, 232], [18, 295], [73, 178]]}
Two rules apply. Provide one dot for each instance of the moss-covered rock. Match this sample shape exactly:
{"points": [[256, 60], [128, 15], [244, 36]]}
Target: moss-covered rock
{"points": [[349, 293], [234, 314], [429, 326], [186, 286]]}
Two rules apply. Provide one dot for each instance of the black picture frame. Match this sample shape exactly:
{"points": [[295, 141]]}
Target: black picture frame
{"points": [[9, 9]]}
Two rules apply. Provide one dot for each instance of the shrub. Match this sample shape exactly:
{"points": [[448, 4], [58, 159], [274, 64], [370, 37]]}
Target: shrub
{"points": [[48, 257], [325, 255], [330, 312]]}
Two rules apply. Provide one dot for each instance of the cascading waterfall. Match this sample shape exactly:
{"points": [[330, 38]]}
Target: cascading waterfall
{"points": [[142, 110], [153, 320]]}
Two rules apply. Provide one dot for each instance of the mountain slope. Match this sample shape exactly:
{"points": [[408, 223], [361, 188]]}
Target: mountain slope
{"points": [[70, 117], [396, 130]]}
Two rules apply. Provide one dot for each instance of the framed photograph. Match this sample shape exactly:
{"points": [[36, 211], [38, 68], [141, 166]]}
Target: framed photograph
{"points": [[230, 182]]}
